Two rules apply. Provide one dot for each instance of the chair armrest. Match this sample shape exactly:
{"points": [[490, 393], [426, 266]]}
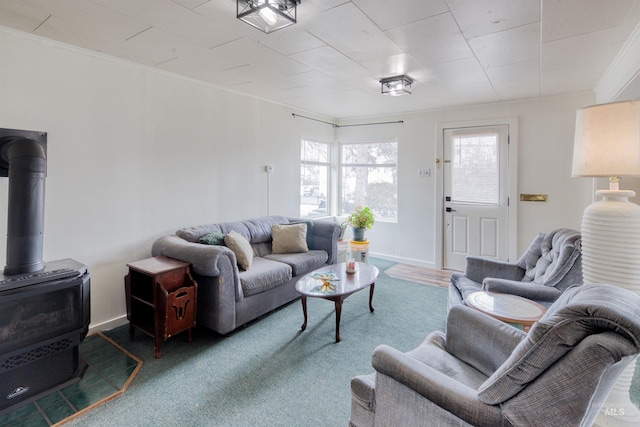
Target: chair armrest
{"points": [[479, 268], [443, 391], [480, 340], [529, 290]]}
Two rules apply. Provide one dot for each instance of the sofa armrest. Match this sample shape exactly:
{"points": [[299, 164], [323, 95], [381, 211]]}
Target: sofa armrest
{"points": [[478, 268], [203, 258], [325, 237], [529, 290], [480, 340], [435, 386]]}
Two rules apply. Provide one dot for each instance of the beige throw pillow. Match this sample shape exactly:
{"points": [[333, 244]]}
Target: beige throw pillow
{"points": [[241, 248], [289, 238]]}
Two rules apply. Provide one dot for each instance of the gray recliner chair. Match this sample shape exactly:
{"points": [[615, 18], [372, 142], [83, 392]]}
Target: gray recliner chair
{"points": [[483, 372], [550, 265]]}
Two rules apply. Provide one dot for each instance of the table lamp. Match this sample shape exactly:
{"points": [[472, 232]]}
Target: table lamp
{"points": [[607, 144]]}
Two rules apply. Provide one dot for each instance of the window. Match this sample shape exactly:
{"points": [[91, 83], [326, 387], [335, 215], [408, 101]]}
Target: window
{"points": [[474, 168], [369, 175], [314, 178]]}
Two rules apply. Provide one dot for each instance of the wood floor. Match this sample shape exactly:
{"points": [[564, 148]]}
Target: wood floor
{"points": [[428, 276]]}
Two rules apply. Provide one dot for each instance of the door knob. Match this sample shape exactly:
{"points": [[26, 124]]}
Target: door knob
{"points": [[451, 210]]}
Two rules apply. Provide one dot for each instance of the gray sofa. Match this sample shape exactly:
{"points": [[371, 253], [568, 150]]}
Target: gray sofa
{"points": [[229, 296]]}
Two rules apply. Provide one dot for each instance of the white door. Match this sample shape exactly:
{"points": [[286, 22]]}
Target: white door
{"points": [[476, 191]]}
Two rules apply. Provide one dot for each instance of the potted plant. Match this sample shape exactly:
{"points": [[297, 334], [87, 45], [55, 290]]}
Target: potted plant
{"points": [[361, 220]]}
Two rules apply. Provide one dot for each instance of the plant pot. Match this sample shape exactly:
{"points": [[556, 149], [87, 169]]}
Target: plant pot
{"points": [[358, 234]]}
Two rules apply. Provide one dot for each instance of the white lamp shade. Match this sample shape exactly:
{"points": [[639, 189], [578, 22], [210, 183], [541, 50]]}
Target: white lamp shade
{"points": [[607, 140]]}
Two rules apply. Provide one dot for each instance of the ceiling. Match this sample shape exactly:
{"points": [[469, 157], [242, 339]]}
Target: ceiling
{"points": [[459, 52]]}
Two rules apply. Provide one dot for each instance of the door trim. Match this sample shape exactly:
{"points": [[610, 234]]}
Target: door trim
{"points": [[512, 123]]}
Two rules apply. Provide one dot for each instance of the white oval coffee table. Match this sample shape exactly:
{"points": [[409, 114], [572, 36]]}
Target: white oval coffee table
{"points": [[506, 307], [342, 285]]}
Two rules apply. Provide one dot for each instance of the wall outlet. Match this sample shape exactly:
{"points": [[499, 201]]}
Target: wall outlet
{"points": [[424, 172], [268, 169]]}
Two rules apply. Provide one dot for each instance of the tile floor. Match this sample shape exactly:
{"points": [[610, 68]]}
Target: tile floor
{"points": [[110, 371]]}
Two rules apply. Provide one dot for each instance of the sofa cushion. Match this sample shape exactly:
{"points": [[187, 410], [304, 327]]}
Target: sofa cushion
{"points": [[260, 228], [264, 275], [241, 248], [213, 238], [289, 238], [301, 263]]}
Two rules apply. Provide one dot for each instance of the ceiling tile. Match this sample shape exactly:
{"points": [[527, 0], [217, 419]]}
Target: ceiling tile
{"points": [[513, 81], [508, 47], [432, 40], [175, 19], [581, 49], [392, 65], [567, 18], [154, 46], [387, 15], [349, 30], [332, 63], [21, 15], [479, 18], [460, 72], [294, 40]]}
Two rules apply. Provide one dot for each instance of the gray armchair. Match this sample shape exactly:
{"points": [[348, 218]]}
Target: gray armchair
{"points": [[550, 265], [483, 372]]}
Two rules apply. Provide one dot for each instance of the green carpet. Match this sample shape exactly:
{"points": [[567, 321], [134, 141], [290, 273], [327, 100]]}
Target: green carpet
{"points": [[269, 373], [109, 372]]}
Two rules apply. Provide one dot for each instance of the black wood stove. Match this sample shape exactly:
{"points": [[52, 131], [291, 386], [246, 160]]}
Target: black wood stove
{"points": [[44, 306]]}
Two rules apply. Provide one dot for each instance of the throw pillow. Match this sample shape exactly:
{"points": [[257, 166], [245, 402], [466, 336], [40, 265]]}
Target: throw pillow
{"points": [[289, 238], [213, 238], [310, 243], [241, 248]]}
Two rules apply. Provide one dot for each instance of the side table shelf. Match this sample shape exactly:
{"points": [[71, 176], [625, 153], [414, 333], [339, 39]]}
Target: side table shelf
{"points": [[161, 298]]}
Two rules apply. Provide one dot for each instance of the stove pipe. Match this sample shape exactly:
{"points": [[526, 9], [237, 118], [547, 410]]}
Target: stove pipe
{"points": [[26, 161]]}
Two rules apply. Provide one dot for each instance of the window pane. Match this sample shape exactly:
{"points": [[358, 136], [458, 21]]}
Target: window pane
{"points": [[474, 169], [373, 153], [314, 179], [369, 178], [313, 151]]}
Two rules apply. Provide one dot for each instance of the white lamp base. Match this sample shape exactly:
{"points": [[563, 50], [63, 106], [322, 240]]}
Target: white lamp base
{"points": [[611, 254]]}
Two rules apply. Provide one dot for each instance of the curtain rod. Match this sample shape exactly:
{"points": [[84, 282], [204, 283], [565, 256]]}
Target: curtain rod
{"points": [[345, 126]]}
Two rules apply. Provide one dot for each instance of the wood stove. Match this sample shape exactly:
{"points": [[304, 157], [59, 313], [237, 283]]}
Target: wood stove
{"points": [[44, 306]]}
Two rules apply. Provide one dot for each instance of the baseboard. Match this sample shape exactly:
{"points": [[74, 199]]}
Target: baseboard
{"points": [[109, 324], [402, 260]]}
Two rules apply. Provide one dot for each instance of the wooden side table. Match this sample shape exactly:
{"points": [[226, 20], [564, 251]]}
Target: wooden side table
{"points": [[161, 298]]}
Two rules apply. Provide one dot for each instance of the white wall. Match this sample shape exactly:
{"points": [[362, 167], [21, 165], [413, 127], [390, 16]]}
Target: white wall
{"points": [[134, 154], [545, 150]]}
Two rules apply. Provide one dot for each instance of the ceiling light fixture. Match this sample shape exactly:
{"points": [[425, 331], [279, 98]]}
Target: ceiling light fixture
{"points": [[268, 15], [396, 86]]}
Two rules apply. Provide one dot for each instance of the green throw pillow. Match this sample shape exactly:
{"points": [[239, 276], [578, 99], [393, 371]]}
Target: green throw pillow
{"points": [[213, 238]]}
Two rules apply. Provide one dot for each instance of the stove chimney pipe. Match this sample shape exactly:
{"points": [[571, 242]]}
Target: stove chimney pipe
{"points": [[26, 162]]}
